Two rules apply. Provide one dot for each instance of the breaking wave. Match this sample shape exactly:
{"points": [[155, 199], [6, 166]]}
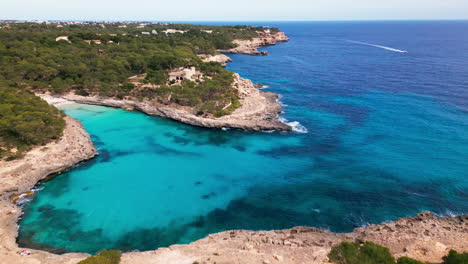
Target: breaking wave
{"points": [[378, 46], [296, 126]]}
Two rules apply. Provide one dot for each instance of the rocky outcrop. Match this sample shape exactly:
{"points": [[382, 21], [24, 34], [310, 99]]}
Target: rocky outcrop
{"points": [[250, 46], [424, 237], [258, 111], [219, 58], [18, 177]]}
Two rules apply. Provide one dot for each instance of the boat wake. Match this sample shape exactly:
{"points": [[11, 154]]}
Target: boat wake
{"points": [[378, 46], [296, 126]]}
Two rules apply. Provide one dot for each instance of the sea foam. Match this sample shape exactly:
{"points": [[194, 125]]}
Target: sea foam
{"points": [[296, 126]]}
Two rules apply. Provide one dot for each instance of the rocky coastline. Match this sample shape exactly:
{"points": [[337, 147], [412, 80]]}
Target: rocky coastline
{"points": [[18, 177], [251, 46], [259, 110], [424, 237]]}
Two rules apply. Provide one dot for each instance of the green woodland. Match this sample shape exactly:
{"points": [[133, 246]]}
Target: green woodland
{"points": [[31, 60], [26, 120]]}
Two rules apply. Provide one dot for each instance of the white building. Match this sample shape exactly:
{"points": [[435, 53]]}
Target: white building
{"points": [[63, 38], [185, 74], [172, 31]]}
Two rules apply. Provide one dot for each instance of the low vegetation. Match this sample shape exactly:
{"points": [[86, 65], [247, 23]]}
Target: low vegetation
{"points": [[26, 120], [103, 257], [371, 253]]}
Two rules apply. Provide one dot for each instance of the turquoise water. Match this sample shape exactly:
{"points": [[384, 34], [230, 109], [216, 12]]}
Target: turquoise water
{"points": [[387, 137]]}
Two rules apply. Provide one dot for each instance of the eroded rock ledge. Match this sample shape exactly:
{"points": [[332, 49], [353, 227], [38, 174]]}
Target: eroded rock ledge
{"points": [[424, 237], [259, 110], [251, 46], [20, 176]]}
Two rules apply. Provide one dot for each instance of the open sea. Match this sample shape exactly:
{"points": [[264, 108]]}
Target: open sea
{"points": [[379, 134]]}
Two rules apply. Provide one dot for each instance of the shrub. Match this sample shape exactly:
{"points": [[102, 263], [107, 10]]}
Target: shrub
{"points": [[368, 253], [103, 257], [406, 260], [455, 258]]}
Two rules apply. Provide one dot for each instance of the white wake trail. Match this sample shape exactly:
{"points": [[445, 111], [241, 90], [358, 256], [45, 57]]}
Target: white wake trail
{"points": [[378, 46]]}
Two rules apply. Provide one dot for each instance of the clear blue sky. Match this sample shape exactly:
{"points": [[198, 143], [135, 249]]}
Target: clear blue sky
{"points": [[234, 10]]}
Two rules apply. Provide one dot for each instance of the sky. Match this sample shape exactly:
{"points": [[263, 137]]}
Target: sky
{"points": [[235, 10]]}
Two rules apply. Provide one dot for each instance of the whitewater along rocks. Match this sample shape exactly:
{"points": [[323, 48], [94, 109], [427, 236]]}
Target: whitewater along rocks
{"points": [[250, 46], [259, 110], [18, 177]]}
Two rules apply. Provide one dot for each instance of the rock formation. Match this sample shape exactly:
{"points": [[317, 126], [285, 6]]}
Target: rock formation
{"points": [[251, 46], [20, 176], [259, 110]]}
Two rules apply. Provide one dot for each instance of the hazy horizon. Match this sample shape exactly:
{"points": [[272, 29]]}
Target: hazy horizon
{"points": [[240, 10]]}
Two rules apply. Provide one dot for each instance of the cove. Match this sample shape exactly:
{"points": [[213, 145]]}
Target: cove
{"points": [[387, 137]]}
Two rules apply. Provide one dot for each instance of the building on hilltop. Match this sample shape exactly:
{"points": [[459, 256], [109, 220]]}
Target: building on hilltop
{"points": [[95, 41], [172, 31], [65, 38], [185, 74]]}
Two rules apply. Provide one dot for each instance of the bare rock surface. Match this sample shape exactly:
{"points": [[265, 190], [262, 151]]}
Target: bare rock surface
{"points": [[424, 237], [219, 58], [250, 46]]}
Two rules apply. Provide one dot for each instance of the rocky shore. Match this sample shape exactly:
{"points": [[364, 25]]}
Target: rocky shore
{"points": [[19, 177], [424, 237], [219, 58], [251, 46], [259, 110]]}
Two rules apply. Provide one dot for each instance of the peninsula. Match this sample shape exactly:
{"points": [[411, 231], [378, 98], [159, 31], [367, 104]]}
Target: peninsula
{"points": [[171, 71]]}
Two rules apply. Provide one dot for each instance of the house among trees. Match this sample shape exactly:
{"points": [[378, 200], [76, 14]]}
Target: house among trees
{"points": [[95, 41], [172, 31], [185, 74], [63, 38]]}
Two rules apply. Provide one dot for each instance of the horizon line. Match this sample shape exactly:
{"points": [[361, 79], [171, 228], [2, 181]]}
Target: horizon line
{"points": [[288, 20]]}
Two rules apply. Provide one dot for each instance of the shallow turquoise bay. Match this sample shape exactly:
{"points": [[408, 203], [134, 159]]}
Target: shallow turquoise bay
{"points": [[387, 138]]}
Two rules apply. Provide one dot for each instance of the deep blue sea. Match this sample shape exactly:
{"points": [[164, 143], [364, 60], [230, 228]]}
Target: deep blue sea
{"points": [[381, 134]]}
